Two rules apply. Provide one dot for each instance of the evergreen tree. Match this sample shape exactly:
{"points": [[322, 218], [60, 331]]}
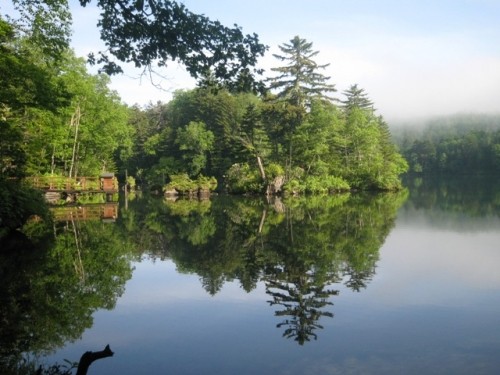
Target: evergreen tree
{"points": [[371, 161], [299, 81], [356, 98], [297, 85]]}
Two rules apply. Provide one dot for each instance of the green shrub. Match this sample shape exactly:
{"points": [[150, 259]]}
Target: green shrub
{"points": [[316, 185], [274, 170], [182, 183], [241, 178], [294, 187], [335, 184], [206, 183], [131, 182]]}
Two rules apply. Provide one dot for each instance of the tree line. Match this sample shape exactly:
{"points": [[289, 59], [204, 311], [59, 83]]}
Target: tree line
{"points": [[460, 144]]}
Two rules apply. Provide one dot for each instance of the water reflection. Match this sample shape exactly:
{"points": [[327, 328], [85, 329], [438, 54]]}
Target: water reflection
{"points": [[455, 203], [52, 283], [217, 276], [299, 248]]}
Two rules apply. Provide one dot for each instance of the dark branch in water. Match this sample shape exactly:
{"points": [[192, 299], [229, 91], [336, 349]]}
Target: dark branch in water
{"points": [[89, 357]]}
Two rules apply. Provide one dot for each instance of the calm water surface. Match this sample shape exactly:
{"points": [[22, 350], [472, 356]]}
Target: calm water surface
{"points": [[385, 284]]}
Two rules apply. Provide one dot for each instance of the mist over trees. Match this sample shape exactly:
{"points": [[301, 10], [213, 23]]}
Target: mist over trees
{"points": [[459, 144]]}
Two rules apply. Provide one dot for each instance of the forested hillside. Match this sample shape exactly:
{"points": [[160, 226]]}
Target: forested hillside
{"points": [[460, 144]]}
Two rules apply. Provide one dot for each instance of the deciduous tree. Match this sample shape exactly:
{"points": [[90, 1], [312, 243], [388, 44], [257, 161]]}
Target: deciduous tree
{"points": [[151, 34]]}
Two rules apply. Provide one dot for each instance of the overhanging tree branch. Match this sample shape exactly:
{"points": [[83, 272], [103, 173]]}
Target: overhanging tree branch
{"points": [[152, 33]]}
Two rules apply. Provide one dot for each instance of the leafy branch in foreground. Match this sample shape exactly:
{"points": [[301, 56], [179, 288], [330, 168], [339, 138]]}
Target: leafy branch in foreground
{"points": [[149, 34], [155, 31]]}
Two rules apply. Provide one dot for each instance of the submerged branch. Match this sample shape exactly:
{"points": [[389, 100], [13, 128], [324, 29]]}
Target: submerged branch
{"points": [[89, 357]]}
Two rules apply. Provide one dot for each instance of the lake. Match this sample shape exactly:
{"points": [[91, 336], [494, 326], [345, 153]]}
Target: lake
{"points": [[392, 283]]}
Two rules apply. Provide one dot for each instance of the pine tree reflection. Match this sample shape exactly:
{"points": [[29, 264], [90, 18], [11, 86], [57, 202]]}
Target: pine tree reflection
{"points": [[302, 301], [324, 242], [299, 249]]}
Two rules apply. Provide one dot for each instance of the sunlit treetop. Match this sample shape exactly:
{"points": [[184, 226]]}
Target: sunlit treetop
{"points": [[300, 81], [356, 97]]}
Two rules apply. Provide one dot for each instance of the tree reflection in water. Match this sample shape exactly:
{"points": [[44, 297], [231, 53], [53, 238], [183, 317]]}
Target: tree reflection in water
{"points": [[51, 285], [299, 249], [302, 302]]}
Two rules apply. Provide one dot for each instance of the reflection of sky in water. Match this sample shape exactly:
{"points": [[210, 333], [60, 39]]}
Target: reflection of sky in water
{"points": [[432, 307]]}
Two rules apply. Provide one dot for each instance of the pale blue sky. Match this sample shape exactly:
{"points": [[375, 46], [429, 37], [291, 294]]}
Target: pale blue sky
{"points": [[414, 58]]}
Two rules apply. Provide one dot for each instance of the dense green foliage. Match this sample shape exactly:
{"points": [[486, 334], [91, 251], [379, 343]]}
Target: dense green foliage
{"points": [[246, 142], [462, 144], [55, 117], [297, 137]]}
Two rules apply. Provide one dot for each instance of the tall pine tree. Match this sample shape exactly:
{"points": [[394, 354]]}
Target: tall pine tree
{"points": [[299, 82], [297, 85]]}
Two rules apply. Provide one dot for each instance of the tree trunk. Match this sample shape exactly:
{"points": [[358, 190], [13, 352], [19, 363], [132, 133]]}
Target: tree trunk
{"points": [[75, 121], [52, 160], [261, 168]]}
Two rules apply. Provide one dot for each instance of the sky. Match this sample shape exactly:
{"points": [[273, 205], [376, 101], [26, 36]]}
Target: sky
{"points": [[413, 58]]}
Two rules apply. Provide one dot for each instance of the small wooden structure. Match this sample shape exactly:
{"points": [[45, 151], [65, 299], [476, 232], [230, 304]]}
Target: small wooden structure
{"points": [[59, 187], [107, 212], [108, 182]]}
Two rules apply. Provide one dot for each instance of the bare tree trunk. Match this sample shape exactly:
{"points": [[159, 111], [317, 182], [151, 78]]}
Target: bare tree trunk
{"points": [[75, 121], [77, 160], [52, 160], [261, 168]]}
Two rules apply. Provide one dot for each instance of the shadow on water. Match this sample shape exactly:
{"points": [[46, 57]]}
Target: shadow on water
{"points": [[52, 280]]}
